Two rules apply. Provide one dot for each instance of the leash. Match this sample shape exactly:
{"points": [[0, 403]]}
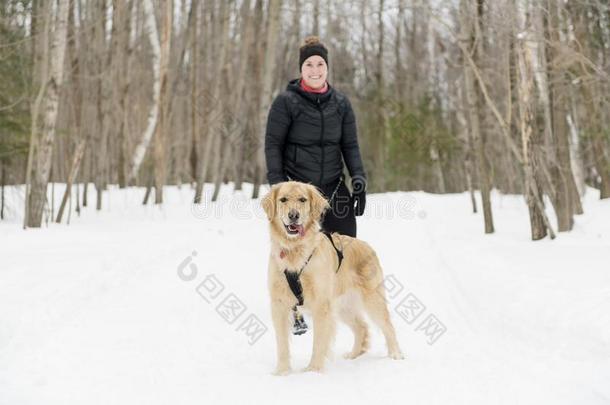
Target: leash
{"points": [[332, 196]]}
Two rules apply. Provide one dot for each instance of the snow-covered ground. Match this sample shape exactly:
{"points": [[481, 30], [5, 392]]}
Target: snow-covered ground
{"points": [[130, 305]]}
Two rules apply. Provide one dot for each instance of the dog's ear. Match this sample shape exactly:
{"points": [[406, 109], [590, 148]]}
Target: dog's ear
{"points": [[318, 203], [268, 202]]}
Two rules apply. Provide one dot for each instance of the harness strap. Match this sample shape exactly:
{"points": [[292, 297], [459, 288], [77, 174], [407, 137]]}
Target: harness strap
{"points": [[294, 281], [294, 278], [295, 285], [339, 252]]}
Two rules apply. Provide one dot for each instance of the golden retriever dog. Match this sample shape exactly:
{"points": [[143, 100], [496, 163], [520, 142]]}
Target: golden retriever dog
{"points": [[294, 210]]}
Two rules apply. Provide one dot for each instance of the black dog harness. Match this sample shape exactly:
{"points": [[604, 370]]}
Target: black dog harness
{"points": [[339, 252], [293, 278], [294, 282]]}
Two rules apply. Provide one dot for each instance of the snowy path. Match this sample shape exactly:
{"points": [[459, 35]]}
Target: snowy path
{"points": [[96, 312]]}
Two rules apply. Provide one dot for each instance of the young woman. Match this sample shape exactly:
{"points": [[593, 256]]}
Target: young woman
{"points": [[311, 132]]}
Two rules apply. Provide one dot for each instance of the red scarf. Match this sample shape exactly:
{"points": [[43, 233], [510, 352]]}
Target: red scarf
{"points": [[308, 89]]}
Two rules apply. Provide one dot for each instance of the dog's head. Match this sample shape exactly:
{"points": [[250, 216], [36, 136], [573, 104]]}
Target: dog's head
{"points": [[293, 208]]}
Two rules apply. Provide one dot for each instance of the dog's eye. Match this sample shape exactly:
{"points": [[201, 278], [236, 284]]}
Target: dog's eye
{"points": [[302, 199], [283, 199]]}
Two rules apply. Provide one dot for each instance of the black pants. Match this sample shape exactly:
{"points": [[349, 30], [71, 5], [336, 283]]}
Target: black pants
{"points": [[340, 217]]}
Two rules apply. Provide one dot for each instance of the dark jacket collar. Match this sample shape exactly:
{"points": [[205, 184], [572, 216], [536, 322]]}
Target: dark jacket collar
{"points": [[314, 98]]}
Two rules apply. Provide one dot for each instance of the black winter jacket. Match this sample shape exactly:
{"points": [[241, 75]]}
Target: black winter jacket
{"points": [[309, 136]]}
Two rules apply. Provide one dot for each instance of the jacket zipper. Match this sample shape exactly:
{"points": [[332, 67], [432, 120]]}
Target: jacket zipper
{"points": [[321, 140]]}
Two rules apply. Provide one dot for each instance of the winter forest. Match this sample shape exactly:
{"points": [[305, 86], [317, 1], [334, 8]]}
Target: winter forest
{"points": [[450, 96], [136, 253]]}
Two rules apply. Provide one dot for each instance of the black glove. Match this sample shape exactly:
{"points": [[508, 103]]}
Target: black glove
{"points": [[359, 194]]}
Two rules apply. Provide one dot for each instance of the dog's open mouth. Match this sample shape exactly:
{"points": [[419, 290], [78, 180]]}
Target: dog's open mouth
{"points": [[294, 229]]}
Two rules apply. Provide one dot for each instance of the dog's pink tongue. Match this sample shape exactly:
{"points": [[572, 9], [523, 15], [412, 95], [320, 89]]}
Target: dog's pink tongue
{"points": [[301, 230]]}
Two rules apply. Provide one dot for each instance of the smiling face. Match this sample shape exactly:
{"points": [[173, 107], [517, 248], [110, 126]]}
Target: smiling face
{"points": [[314, 72], [293, 208]]}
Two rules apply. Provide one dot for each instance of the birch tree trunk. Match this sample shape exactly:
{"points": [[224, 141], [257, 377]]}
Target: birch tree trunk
{"points": [[160, 152], [556, 179], [50, 101], [538, 220], [560, 111], [40, 66], [153, 36], [79, 152]]}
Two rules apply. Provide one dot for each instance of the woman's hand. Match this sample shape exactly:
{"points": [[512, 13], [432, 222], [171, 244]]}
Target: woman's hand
{"points": [[359, 201], [359, 194]]}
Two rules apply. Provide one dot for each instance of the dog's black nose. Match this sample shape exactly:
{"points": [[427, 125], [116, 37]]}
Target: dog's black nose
{"points": [[293, 215]]}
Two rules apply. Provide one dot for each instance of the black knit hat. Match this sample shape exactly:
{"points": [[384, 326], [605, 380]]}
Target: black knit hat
{"points": [[312, 46]]}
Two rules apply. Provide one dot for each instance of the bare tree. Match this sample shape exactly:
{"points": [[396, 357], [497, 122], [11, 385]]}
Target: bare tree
{"points": [[153, 36], [160, 152], [46, 131], [216, 111], [124, 11], [530, 140], [471, 33], [516, 100], [273, 26]]}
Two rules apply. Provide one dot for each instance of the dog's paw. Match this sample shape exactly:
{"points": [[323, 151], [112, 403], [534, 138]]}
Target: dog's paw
{"points": [[313, 368], [353, 355], [396, 356], [281, 371]]}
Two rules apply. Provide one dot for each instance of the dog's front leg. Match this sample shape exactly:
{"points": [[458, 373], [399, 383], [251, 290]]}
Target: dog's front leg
{"points": [[281, 322], [323, 332]]}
